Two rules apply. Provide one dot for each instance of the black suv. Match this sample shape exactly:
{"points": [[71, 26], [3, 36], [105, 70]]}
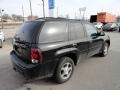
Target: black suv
{"points": [[51, 47]]}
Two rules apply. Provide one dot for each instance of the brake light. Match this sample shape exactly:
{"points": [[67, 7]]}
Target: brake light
{"points": [[36, 55]]}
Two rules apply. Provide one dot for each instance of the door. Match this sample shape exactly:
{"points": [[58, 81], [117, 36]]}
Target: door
{"points": [[78, 39], [95, 42]]}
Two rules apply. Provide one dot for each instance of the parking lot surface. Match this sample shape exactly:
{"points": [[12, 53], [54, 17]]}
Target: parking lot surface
{"points": [[94, 73]]}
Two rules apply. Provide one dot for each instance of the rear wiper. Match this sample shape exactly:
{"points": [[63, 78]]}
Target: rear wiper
{"points": [[23, 42]]}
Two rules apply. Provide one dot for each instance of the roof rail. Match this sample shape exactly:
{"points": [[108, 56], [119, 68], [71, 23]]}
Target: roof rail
{"points": [[57, 18], [49, 18]]}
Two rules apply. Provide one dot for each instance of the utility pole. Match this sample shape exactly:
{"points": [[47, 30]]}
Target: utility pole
{"points": [[80, 12], [30, 8], [57, 12], [83, 9], [84, 15], [1, 11], [23, 12], [43, 8]]}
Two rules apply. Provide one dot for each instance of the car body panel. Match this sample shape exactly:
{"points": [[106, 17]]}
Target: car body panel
{"points": [[52, 49]]}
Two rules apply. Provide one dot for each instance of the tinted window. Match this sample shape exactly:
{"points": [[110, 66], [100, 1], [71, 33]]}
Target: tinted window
{"points": [[108, 25], [90, 29], [76, 31], [53, 32], [27, 30]]}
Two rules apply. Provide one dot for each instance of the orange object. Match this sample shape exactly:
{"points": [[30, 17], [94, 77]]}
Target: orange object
{"points": [[105, 17]]}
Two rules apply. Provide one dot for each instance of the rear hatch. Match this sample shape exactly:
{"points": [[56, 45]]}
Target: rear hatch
{"points": [[25, 39]]}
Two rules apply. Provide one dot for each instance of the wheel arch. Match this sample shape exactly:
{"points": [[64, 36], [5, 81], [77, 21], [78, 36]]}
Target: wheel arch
{"points": [[71, 55], [108, 42]]}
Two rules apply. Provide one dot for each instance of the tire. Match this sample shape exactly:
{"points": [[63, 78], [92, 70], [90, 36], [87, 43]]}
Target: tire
{"points": [[1, 43], [64, 70], [104, 50]]}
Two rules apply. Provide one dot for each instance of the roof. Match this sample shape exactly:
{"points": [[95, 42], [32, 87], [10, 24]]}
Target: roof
{"points": [[55, 19]]}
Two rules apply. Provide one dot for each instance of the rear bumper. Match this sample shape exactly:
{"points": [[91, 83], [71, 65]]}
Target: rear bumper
{"points": [[27, 70], [30, 71]]}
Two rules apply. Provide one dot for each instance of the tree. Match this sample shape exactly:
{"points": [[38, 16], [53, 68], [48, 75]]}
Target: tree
{"points": [[17, 17], [33, 17], [6, 16], [14, 16]]}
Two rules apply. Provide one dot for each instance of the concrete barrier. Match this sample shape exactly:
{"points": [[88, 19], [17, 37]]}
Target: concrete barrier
{"points": [[9, 33], [10, 29], [9, 25]]}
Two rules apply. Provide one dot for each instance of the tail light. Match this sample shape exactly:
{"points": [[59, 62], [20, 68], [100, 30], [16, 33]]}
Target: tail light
{"points": [[36, 55]]}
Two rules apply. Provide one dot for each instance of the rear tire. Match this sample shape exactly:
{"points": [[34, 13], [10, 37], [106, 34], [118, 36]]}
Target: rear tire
{"points": [[104, 50], [1, 43], [64, 70]]}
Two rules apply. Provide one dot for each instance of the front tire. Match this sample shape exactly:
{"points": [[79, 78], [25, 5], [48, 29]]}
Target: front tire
{"points": [[64, 70], [104, 50], [1, 43]]}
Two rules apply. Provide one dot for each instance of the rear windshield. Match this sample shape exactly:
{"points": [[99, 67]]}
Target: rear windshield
{"points": [[28, 31]]}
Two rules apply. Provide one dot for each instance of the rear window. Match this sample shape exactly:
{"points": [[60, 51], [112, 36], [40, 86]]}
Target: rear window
{"points": [[28, 30], [53, 32]]}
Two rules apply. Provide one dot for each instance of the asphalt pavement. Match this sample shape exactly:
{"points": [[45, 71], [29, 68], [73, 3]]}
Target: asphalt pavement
{"points": [[94, 73]]}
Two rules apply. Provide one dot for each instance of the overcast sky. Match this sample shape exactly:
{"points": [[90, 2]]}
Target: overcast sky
{"points": [[64, 7]]}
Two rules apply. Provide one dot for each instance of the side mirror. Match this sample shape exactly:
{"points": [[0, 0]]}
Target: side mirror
{"points": [[94, 35]]}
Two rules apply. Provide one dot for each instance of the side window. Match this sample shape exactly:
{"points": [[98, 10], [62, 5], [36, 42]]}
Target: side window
{"points": [[53, 32], [76, 31], [90, 29]]}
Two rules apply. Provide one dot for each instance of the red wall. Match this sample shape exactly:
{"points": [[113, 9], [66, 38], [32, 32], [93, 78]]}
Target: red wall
{"points": [[105, 17]]}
